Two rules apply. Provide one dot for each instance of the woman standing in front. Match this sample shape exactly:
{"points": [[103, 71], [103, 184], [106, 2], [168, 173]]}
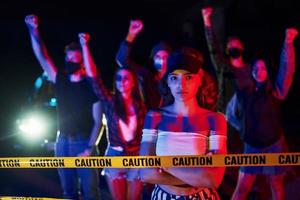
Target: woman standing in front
{"points": [[182, 127]]}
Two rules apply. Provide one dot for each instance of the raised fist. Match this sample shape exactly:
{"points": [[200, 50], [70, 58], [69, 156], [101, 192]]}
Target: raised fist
{"points": [[135, 27], [84, 38], [290, 34], [32, 21], [206, 14]]}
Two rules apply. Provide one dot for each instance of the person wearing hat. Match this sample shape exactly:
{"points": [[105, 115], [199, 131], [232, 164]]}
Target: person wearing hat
{"points": [[182, 127], [150, 76]]}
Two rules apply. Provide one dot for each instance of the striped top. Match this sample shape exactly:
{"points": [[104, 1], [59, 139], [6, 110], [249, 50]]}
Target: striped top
{"points": [[183, 135]]}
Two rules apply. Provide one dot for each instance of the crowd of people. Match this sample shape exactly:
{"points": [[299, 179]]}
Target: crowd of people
{"points": [[171, 106]]}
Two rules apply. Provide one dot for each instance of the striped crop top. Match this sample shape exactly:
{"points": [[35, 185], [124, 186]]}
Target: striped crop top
{"points": [[182, 135]]}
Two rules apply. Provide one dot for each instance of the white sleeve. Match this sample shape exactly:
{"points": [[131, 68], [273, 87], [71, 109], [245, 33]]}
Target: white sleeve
{"points": [[217, 142]]}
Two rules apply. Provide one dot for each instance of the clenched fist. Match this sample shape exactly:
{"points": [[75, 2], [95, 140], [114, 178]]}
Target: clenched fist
{"points": [[290, 34], [135, 27], [32, 21], [206, 14], [84, 38]]}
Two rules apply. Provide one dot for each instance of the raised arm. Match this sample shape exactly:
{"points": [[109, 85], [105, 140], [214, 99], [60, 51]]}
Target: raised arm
{"points": [[88, 61], [214, 46], [219, 61], [39, 47], [123, 55], [91, 69], [287, 65]]}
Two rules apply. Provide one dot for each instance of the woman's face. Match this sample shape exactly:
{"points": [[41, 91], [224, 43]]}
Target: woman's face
{"points": [[259, 71], [184, 85], [160, 60], [124, 81]]}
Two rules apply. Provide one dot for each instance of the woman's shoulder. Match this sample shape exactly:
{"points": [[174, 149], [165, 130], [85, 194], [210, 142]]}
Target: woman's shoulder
{"points": [[154, 113], [218, 121], [213, 117], [153, 118], [216, 116], [160, 111], [209, 113]]}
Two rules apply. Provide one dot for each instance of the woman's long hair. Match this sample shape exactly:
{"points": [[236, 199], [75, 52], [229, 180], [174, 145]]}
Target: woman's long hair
{"points": [[165, 91], [269, 82], [135, 94]]}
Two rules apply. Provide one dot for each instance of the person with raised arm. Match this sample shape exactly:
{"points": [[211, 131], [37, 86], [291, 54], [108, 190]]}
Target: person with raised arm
{"points": [[151, 75], [79, 114], [259, 103], [124, 110], [233, 57]]}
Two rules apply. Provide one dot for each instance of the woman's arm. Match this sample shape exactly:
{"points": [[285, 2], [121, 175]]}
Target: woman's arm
{"points": [[207, 176], [287, 65], [123, 58], [156, 175], [100, 90], [148, 148]]}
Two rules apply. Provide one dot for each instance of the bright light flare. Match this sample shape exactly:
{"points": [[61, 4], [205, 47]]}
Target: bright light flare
{"points": [[33, 126]]}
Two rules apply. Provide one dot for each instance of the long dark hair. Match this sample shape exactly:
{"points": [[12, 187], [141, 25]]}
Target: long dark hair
{"points": [[165, 91], [269, 82], [135, 94]]}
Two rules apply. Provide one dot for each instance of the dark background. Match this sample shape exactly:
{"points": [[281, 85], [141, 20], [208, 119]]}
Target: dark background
{"points": [[260, 24]]}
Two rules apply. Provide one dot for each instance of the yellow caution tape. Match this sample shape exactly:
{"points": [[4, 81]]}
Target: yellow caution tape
{"points": [[226, 160]]}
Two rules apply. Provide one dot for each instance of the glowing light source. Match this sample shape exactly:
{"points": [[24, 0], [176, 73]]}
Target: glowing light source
{"points": [[52, 102], [33, 126]]}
